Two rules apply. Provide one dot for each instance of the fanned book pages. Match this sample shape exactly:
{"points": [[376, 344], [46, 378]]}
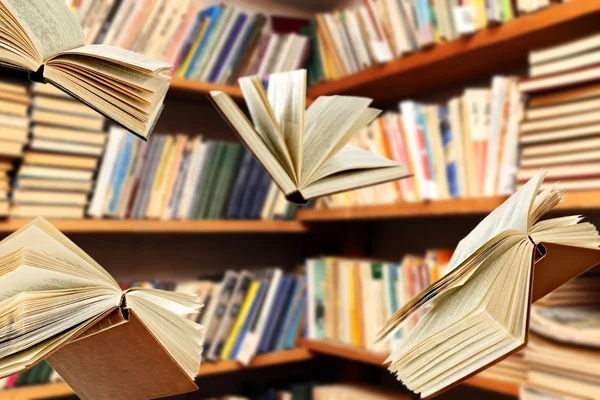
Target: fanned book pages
{"points": [[306, 151], [478, 312], [57, 303], [44, 37]]}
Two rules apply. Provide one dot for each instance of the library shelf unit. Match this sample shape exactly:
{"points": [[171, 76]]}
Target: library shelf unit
{"points": [[128, 226], [584, 200], [448, 64], [368, 357], [462, 60], [34, 392]]}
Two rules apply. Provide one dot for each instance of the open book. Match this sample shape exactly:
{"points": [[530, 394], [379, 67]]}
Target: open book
{"points": [[44, 37], [57, 303], [306, 151], [478, 313]]}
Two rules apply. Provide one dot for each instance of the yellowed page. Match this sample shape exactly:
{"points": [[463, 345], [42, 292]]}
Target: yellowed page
{"points": [[512, 215], [328, 120], [49, 24], [121, 56], [287, 95]]}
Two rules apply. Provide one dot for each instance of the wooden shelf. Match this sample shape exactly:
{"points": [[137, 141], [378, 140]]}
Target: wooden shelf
{"points": [[263, 360], [33, 392], [197, 90], [368, 357], [159, 227], [575, 201], [492, 50]]}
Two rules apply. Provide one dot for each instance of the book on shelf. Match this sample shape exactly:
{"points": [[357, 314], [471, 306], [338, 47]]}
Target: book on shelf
{"points": [[99, 338], [561, 371], [510, 260], [306, 151], [14, 123], [40, 374], [55, 177], [560, 128], [179, 177], [127, 87]]}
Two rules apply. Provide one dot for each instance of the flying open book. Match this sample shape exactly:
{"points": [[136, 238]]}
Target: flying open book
{"points": [[57, 303], [478, 313], [306, 151], [44, 37]]}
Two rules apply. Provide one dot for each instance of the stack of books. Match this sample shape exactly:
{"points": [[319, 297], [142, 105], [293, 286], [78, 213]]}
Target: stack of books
{"points": [[562, 119], [305, 391], [40, 374], [245, 313], [56, 175], [347, 41], [463, 149], [14, 127], [180, 177], [512, 370], [215, 44], [348, 300]]}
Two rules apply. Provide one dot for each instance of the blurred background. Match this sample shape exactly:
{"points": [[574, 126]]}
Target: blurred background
{"points": [[476, 97]]}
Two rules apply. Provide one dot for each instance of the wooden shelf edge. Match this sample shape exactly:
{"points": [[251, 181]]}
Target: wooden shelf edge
{"points": [[259, 361], [368, 357], [513, 39], [575, 201], [158, 227], [198, 90]]}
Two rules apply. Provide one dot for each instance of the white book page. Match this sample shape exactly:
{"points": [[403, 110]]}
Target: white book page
{"points": [[49, 24], [328, 120], [350, 158], [512, 215], [265, 121], [287, 96], [121, 56]]}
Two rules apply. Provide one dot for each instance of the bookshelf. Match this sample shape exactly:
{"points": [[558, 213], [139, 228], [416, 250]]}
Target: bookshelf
{"points": [[197, 90], [465, 59], [368, 357], [157, 226], [575, 201], [34, 392]]}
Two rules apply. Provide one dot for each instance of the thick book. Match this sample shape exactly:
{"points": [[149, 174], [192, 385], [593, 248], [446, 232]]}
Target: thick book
{"points": [[124, 86], [104, 342], [306, 151], [479, 310]]}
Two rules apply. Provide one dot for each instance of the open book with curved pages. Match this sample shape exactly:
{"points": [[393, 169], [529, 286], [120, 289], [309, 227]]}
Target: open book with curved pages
{"points": [[306, 151], [45, 38], [478, 313], [57, 303]]}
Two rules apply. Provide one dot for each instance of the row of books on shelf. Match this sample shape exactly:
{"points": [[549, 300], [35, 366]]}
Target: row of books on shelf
{"points": [[178, 177], [212, 43], [562, 356], [348, 300], [40, 374], [350, 40], [465, 148], [246, 313], [561, 126], [70, 167], [318, 391]]}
